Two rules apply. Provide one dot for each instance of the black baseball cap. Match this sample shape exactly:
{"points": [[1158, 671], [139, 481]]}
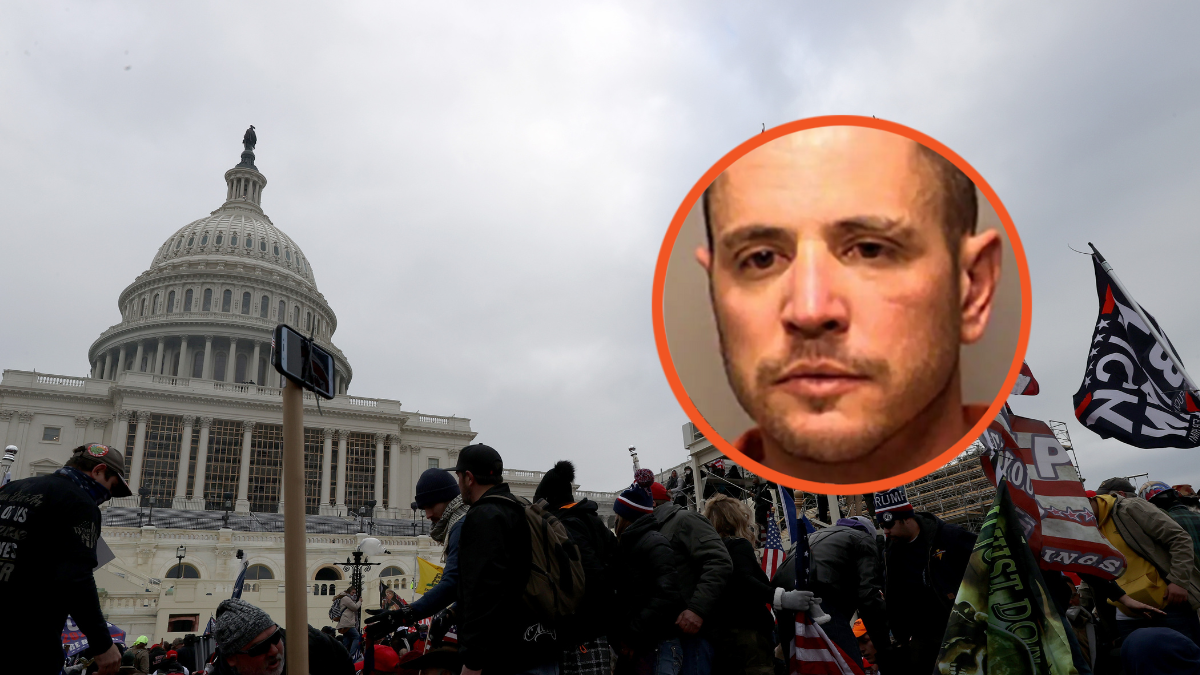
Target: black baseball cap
{"points": [[481, 460], [1116, 484]]}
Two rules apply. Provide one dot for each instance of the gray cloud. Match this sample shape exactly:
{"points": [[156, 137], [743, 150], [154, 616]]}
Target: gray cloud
{"points": [[482, 190]]}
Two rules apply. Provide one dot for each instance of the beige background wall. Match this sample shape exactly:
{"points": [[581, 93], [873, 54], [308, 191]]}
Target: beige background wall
{"points": [[692, 333]]}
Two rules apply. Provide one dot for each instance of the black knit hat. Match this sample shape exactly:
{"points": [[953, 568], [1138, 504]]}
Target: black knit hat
{"points": [[434, 487], [555, 487]]}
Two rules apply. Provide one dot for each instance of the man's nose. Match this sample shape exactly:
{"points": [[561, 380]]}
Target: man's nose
{"points": [[815, 303]]}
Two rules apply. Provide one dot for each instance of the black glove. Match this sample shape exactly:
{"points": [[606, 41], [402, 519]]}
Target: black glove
{"points": [[385, 623], [440, 625]]}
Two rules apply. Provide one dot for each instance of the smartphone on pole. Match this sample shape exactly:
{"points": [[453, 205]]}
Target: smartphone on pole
{"points": [[303, 362]]}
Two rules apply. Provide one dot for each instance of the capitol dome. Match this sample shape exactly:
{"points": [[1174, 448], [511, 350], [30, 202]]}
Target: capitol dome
{"points": [[215, 290]]}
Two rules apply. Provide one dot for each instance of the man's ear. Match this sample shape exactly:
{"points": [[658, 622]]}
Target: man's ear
{"points": [[704, 257], [979, 273]]}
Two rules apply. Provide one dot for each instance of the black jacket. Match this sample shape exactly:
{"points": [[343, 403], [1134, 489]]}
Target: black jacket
{"points": [[49, 527], [923, 577], [598, 551], [326, 656], [844, 572], [748, 593], [648, 597], [497, 631]]}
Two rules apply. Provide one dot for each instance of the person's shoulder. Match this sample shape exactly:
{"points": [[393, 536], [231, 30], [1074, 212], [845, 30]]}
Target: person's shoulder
{"points": [[739, 545]]}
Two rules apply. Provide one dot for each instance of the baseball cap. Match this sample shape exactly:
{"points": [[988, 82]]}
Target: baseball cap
{"points": [[481, 460], [113, 458], [859, 628], [1116, 484]]}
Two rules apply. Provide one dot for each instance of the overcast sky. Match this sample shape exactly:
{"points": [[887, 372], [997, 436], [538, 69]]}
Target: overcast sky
{"points": [[482, 190]]}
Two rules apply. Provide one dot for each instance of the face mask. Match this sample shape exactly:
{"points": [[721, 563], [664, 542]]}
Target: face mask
{"points": [[95, 490]]}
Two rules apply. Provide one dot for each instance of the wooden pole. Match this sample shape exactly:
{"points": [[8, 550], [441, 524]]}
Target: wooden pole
{"points": [[294, 560]]}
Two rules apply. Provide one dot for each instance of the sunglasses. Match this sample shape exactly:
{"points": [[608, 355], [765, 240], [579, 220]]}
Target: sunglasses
{"points": [[264, 646]]}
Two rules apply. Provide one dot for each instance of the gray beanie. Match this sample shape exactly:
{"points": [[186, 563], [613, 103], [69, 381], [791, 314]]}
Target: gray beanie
{"points": [[237, 623]]}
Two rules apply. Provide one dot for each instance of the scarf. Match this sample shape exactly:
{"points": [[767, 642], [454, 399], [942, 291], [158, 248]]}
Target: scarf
{"points": [[95, 490], [454, 512]]}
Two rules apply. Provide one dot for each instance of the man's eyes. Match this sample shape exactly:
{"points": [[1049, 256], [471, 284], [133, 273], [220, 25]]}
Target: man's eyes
{"points": [[758, 260], [872, 250]]}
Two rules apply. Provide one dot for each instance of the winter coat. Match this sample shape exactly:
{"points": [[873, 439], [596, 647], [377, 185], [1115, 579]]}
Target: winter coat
{"points": [[349, 618], [703, 562], [445, 592], [326, 656], [497, 631], [923, 577], [598, 550], [647, 587], [1153, 535], [139, 658], [49, 527], [744, 602], [844, 572]]}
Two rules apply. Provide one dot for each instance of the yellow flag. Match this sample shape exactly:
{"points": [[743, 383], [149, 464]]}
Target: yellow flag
{"points": [[430, 576]]}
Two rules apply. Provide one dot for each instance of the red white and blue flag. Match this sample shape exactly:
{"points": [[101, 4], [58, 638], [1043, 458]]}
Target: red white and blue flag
{"points": [[772, 556], [1026, 384], [813, 653]]}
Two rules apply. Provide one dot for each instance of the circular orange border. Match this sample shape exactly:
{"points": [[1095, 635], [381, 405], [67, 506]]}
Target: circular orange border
{"points": [[660, 275]]}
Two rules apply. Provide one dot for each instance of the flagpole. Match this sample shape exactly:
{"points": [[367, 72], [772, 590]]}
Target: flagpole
{"points": [[1137, 307]]}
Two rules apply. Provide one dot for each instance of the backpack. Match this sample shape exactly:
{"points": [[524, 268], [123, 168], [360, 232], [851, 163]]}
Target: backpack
{"points": [[128, 658], [556, 579], [335, 611]]}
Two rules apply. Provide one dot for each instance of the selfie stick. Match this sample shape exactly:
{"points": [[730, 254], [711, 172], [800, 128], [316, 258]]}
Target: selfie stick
{"points": [[294, 561]]}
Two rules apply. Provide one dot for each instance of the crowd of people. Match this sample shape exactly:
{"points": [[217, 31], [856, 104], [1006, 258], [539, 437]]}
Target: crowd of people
{"points": [[548, 587]]}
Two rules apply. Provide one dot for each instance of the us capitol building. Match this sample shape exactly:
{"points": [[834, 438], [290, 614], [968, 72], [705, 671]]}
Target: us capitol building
{"points": [[184, 386]]}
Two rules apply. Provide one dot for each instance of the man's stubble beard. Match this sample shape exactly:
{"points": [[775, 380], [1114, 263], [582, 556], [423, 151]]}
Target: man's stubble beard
{"points": [[874, 429]]}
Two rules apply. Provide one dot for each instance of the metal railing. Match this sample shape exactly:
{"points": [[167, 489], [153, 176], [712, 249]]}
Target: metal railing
{"points": [[263, 522]]}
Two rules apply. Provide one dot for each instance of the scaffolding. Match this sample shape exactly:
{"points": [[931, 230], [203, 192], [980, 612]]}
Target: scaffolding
{"points": [[957, 493]]}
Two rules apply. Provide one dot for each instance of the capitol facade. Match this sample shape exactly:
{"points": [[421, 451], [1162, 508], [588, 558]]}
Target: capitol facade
{"points": [[183, 386]]}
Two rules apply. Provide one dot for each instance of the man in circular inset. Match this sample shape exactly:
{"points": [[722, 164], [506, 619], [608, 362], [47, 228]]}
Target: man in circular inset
{"points": [[845, 274]]}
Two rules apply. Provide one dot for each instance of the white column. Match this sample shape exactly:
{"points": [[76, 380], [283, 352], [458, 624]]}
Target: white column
{"points": [[326, 466], [243, 500], [139, 446], [5, 424], [207, 370], [182, 367], [201, 462], [121, 361], [341, 476], [108, 365], [121, 432], [158, 356], [252, 367], [137, 359], [394, 478], [231, 361], [185, 455], [379, 438], [95, 367]]}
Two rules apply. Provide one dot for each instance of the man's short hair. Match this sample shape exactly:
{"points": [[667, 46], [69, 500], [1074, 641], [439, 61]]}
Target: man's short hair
{"points": [[86, 463], [955, 201]]}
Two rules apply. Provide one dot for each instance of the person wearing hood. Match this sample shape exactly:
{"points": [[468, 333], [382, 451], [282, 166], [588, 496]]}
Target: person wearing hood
{"points": [[49, 528], [438, 495], [844, 573], [647, 590], [704, 569], [583, 636]]}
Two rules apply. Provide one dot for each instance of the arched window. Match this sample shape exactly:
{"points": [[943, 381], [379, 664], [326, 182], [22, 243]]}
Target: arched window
{"points": [[249, 241], [143, 312], [296, 315], [226, 300], [191, 240], [391, 571], [259, 572], [189, 572], [204, 239], [282, 316], [316, 589], [308, 321], [170, 302], [198, 364], [262, 312], [219, 366], [240, 371], [154, 305], [187, 301], [178, 243], [324, 589], [233, 239], [207, 306], [246, 303], [262, 245], [328, 573], [220, 238], [333, 589], [276, 250], [288, 254]]}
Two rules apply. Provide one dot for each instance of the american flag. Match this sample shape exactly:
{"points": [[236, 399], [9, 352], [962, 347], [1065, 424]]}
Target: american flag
{"points": [[772, 556], [813, 653], [719, 463]]}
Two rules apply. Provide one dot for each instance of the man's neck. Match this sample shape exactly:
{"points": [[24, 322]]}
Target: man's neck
{"points": [[931, 432]]}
